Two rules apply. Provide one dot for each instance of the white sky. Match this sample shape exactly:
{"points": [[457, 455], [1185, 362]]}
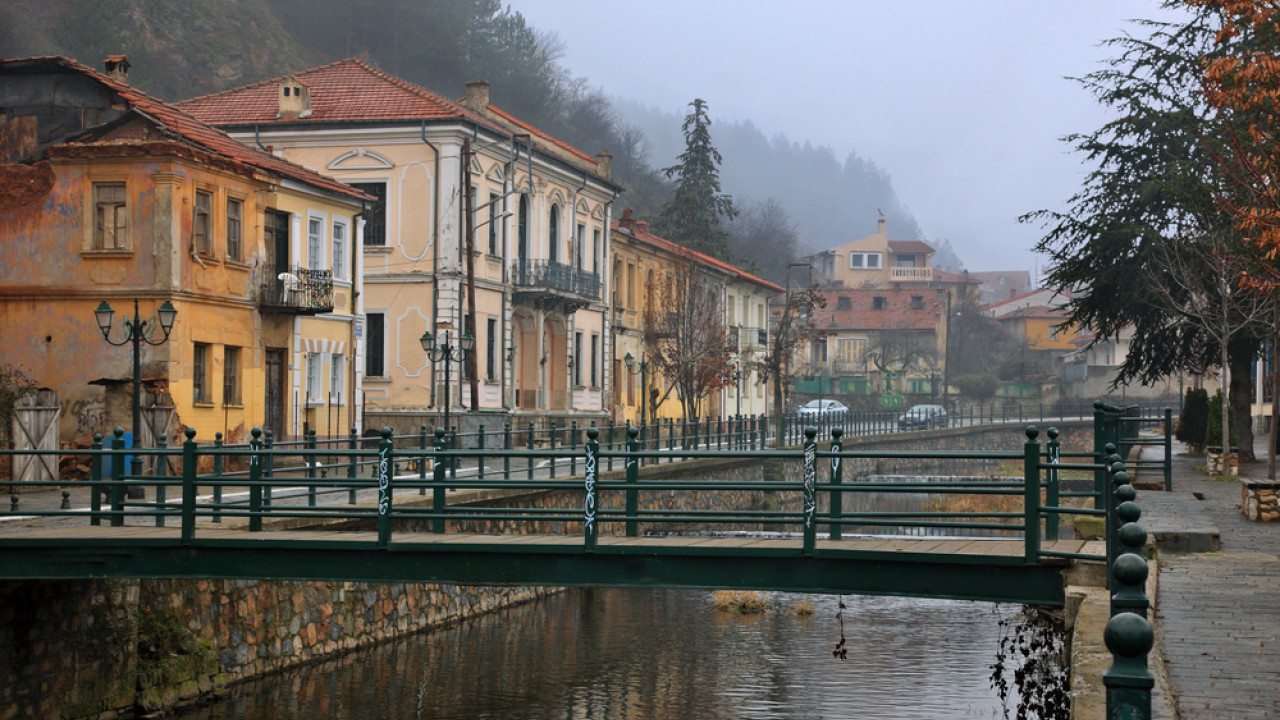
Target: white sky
{"points": [[963, 102]]}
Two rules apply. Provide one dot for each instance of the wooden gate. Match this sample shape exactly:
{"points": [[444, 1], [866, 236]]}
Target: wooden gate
{"points": [[35, 427], [157, 419]]}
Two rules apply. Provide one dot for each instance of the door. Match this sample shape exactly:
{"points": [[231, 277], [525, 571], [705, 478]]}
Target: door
{"points": [[274, 404]]}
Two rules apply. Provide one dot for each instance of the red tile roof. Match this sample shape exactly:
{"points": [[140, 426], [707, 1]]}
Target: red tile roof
{"points": [[188, 128], [526, 127], [897, 311], [909, 246], [994, 305], [1035, 311], [636, 229]]}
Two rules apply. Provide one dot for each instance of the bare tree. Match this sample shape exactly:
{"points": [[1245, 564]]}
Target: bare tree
{"points": [[1198, 282], [900, 350], [685, 335], [793, 326]]}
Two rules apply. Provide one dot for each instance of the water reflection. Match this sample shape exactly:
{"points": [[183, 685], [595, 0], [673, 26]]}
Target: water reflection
{"points": [[633, 654]]}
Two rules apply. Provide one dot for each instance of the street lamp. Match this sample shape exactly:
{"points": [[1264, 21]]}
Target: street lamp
{"points": [[449, 354], [736, 374], [136, 332], [630, 362]]}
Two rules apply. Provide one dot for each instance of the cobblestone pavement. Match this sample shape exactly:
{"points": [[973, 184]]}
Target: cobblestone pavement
{"points": [[1218, 613]]}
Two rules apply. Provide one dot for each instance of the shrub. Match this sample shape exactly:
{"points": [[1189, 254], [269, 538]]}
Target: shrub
{"points": [[1213, 424], [977, 387], [1192, 427]]}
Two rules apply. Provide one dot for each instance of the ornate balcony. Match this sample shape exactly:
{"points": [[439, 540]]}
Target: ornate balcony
{"points": [[297, 290], [548, 284]]}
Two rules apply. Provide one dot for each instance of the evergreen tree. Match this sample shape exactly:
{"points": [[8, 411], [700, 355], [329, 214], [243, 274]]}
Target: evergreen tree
{"points": [[693, 215]]}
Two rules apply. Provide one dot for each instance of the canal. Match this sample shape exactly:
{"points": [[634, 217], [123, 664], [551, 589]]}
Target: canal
{"points": [[645, 654]]}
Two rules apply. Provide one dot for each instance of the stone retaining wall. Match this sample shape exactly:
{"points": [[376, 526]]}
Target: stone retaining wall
{"points": [[1258, 499]]}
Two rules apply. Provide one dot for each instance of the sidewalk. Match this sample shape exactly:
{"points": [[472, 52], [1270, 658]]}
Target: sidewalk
{"points": [[1217, 613]]}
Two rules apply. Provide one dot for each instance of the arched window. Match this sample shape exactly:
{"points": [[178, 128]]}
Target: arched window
{"points": [[553, 239]]}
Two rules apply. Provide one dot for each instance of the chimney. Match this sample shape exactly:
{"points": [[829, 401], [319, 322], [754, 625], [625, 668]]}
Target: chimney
{"points": [[880, 226], [478, 95], [642, 226], [116, 67], [604, 164], [295, 100]]}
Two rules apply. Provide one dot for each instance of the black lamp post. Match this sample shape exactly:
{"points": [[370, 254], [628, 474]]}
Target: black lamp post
{"points": [[630, 362], [136, 331], [437, 352], [736, 374]]}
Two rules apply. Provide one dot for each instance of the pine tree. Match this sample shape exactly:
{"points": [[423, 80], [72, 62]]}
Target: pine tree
{"points": [[694, 214]]}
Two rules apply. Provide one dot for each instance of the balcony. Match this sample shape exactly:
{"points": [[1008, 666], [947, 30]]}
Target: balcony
{"points": [[911, 274], [754, 338], [296, 290], [547, 284]]}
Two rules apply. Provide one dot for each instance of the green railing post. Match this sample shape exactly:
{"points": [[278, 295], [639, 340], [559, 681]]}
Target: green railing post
{"points": [[1129, 637], [1101, 486], [837, 471], [506, 445], [438, 481], [480, 452], [1168, 449], [452, 444], [95, 481], [255, 479], [810, 494], [188, 485], [385, 448], [352, 466], [1031, 496], [633, 477], [311, 446], [159, 470], [573, 448], [553, 450], [218, 465], [422, 460], [268, 466], [1051, 492], [529, 448], [117, 478], [589, 526]]}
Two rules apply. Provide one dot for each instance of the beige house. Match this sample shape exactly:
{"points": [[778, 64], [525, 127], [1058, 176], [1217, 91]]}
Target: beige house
{"points": [[515, 262], [874, 261]]}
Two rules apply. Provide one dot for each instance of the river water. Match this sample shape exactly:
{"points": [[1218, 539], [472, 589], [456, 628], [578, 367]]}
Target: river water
{"points": [[646, 654]]}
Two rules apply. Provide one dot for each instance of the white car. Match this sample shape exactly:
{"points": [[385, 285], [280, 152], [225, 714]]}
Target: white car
{"points": [[822, 410]]}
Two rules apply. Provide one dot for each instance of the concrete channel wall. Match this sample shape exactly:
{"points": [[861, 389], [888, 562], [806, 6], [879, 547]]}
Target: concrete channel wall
{"points": [[107, 648]]}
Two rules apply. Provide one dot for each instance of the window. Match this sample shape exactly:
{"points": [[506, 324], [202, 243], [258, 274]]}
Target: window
{"points": [[553, 241], [495, 248], [111, 222], [818, 351], [864, 261], [235, 249], [375, 214], [339, 250], [1053, 332], [200, 373], [522, 228], [595, 350], [905, 261], [595, 251], [577, 246], [201, 232], [844, 302], [491, 349], [313, 377], [374, 345], [917, 302], [879, 303], [337, 377], [577, 358], [230, 375], [315, 236], [850, 350], [631, 286]]}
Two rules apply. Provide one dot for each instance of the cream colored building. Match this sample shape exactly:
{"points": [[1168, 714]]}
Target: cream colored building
{"points": [[538, 223], [874, 261]]}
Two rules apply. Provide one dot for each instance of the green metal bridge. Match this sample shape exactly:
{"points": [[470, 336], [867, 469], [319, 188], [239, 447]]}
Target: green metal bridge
{"points": [[788, 520]]}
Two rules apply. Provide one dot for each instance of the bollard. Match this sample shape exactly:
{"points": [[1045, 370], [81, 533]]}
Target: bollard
{"points": [[1129, 637], [255, 480], [189, 464], [66, 500]]}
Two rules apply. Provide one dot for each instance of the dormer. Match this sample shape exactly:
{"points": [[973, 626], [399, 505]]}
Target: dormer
{"points": [[295, 100]]}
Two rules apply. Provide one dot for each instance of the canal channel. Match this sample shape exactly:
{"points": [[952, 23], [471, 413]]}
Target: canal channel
{"points": [[642, 654]]}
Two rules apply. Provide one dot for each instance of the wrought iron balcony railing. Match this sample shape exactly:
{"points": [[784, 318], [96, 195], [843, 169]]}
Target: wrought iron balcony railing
{"points": [[553, 276], [297, 289]]}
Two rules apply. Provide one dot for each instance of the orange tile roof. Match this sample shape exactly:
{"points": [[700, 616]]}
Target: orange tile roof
{"points": [[909, 246], [631, 227], [535, 131], [188, 128]]}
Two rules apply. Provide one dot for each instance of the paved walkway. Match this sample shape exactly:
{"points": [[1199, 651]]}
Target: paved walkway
{"points": [[1218, 611]]}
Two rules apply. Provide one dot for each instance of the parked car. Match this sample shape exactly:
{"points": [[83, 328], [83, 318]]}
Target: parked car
{"points": [[923, 417], [828, 410]]}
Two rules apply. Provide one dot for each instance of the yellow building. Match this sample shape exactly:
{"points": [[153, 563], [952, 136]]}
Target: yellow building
{"points": [[130, 200], [516, 262]]}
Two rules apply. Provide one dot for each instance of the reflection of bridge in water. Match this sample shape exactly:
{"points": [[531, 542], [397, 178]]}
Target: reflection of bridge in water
{"points": [[598, 527]]}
